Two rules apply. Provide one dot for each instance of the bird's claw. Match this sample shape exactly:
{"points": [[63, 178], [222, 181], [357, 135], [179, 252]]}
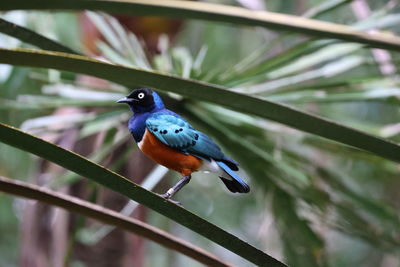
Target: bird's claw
{"points": [[175, 202], [168, 196]]}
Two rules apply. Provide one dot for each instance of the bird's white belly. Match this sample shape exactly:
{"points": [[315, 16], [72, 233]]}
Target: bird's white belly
{"points": [[212, 166], [140, 144]]}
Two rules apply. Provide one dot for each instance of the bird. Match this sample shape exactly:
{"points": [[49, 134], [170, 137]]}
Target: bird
{"points": [[170, 140]]}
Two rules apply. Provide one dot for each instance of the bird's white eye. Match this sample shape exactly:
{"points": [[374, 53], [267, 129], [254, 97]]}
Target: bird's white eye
{"points": [[140, 95]]}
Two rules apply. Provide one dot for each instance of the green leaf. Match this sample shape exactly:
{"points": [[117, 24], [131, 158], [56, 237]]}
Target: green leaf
{"points": [[322, 96], [44, 102], [302, 245], [32, 37], [214, 12], [206, 92], [108, 216], [283, 59], [101, 175], [324, 7], [93, 235], [98, 156], [325, 54], [334, 68]]}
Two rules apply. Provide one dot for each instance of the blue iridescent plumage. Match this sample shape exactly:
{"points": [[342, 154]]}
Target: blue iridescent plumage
{"points": [[175, 132]]}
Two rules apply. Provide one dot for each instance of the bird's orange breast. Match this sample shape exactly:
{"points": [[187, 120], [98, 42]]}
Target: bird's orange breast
{"points": [[168, 157]]}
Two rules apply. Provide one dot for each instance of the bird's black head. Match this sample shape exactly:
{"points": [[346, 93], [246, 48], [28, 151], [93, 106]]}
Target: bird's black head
{"points": [[143, 100]]}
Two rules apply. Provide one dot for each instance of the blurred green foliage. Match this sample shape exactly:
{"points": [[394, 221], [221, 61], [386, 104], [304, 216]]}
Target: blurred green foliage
{"points": [[313, 202]]}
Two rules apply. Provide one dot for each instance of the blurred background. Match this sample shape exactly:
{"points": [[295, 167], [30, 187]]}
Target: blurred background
{"points": [[313, 202]]}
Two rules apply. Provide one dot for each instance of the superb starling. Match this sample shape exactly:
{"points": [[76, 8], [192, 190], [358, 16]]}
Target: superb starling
{"points": [[171, 141]]}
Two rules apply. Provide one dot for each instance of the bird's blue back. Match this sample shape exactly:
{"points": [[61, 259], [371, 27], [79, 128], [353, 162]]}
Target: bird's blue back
{"points": [[174, 131]]}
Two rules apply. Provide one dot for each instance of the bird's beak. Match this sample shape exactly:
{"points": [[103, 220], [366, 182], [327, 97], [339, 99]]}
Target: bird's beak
{"points": [[125, 100]]}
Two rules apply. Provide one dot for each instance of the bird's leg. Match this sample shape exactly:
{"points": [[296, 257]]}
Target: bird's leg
{"points": [[178, 186]]}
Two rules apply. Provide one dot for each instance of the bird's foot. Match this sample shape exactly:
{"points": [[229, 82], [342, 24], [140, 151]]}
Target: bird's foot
{"points": [[165, 195], [170, 193], [168, 196], [176, 202]]}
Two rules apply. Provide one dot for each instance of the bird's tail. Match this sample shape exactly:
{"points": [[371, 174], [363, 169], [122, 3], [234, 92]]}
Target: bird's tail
{"points": [[232, 181]]}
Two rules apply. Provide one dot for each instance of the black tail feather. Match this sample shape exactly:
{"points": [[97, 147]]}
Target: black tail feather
{"points": [[234, 186], [231, 164]]}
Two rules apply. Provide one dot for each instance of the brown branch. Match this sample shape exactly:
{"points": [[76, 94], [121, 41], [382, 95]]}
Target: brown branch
{"points": [[108, 216]]}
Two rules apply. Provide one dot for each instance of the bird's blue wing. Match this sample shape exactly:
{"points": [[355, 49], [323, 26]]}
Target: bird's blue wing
{"points": [[178, 134], [172, 131]]}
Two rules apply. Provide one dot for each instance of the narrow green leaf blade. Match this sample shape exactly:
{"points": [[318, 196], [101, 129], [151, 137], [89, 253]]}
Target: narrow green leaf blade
{"points": [[108, 216], [214, 12], [32, 37], [206, 92], [101, 175]]}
